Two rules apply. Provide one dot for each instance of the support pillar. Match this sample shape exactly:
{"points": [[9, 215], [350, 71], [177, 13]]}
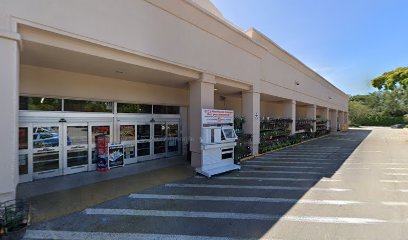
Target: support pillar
{"points": [[327, 117], [333, 120], [201, 96], [341, 120], [251, 107], [289, 111], [9, 79], [311, 114]]}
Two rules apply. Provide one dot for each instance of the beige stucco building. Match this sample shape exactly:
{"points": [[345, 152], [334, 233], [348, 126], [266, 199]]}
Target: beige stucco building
{"points": [[139, 71]]}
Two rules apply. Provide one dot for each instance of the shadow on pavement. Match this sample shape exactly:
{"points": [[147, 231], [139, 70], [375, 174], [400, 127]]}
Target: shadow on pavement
{"points": [[241, 204]]}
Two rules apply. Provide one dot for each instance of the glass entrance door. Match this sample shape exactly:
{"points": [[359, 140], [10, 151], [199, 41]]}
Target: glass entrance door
{"points": [[46, 153], [143, 141], [95, 130], [24, 154], [159, 139], [127, 136], [76, 147], [173, 138]]}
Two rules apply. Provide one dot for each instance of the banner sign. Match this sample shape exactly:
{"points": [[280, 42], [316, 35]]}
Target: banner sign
{"points": [[102, 152], [214, 116], [116, 156]]}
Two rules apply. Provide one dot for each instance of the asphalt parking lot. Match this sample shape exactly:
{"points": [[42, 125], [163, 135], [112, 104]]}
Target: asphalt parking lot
{"points": [[350, 185]]}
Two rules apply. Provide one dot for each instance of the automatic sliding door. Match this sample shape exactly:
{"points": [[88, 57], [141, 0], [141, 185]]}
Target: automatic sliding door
{"points": [[24, 157], [128, 139], [159, 141], [46, 140], [173, 139], [76, 151], [143, 141], [95, 130]]}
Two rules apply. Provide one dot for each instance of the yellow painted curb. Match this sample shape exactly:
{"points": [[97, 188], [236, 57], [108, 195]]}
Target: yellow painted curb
{"points": [[261, 154]]}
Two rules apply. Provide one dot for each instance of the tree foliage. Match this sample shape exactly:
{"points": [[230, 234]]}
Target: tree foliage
{"points": [[382, 108], [392, 80]]}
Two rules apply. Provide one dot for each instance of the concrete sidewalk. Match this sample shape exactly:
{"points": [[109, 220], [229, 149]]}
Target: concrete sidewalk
{"points": [[55, 197]]}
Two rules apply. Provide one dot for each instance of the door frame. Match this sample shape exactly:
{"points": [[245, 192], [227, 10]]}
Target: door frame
{"points": [[134, 142], [48, 173], [148, 140], [161, 139], [92, 166], [65, 148], [178, 152], [28, 151]]}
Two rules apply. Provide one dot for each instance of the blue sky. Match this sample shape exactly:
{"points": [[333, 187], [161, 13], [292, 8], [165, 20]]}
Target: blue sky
{"points": [[348, 42]]}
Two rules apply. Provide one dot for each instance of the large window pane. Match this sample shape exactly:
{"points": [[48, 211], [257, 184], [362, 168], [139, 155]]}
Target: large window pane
{"points": [[23, 138], [23, 164], [45, 137], [160, 130], [172, 130], [40, 104], [161, 109], [143, 149], [127, 133], [45, 161], [172, 145], [159, 147], [87, 106], [134, 108], [77, 135], [100, 130], [143, 132]]}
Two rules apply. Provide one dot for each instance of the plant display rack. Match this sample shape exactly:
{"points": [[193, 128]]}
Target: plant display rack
{"points": [[321, 128], [243, 147], [274, 133], [305, 125]]}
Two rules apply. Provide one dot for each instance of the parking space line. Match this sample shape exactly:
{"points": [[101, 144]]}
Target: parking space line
{"points": [[69, 235], [264, 166], [235, 216], [277, 179], [289, 172], [180, 185], [395, 203], [396, 174], [394, 181], [288, 162], [300, 158], [242, 199]]}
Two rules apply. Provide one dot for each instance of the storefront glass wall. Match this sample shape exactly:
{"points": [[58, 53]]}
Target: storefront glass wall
{"points": [[52, 143]]}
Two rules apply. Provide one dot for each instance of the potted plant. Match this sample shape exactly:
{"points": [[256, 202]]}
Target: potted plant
{"points": [[14, 219]]}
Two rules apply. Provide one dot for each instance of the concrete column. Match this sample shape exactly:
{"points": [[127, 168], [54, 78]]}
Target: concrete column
{"points": [[311, 114], [9, 79], [327, 117], [201, 96], [333, 120], [341, 120], [251, 107], [289, 111]]}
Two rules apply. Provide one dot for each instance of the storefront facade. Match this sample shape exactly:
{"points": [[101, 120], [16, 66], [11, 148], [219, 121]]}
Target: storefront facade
{"points": [[139, 72]]}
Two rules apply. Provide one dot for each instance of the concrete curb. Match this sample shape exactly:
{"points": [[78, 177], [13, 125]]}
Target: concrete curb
{"points": [[262, 154]]}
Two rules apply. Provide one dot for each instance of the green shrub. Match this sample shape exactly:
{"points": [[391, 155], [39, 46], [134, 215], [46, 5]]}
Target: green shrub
{"points": [[376, 120]]}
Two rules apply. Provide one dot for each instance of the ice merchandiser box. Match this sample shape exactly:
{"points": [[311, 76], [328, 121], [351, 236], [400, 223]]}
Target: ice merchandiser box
{"points": [[218, 139]]}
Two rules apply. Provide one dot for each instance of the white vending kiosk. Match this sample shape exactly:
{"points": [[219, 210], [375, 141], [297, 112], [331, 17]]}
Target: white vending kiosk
{"points": [[217, 142]]}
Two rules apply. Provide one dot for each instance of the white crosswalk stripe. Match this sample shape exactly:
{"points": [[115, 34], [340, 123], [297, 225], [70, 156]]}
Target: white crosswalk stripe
{"points": [[295, 167], [288, 162], [235, 216], [277, 179], [289, 172], [180, 185], [70, 235], [242, 199]]}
